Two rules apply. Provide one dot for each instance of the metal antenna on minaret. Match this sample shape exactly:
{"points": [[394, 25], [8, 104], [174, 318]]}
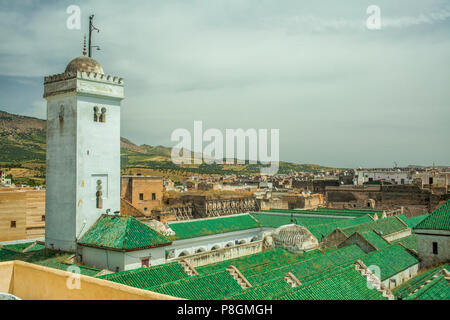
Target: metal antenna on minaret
{"points": [[91, 28]]}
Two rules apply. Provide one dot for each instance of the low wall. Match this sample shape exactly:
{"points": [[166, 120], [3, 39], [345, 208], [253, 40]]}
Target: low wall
{"points": [[401, 277], [34, 282], [201, 259]]}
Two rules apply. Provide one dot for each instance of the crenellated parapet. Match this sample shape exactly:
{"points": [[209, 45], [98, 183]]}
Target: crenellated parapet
{"points": [[88, 83], [84, 75]]}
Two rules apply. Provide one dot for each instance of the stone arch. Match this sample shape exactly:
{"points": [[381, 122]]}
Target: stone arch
{"points": [[215, 247], [103, 115], [61, 112], [184, 253], [255, 238], [95, 114], [99, 194], [229, 244], [243, 241], [200, 250]]}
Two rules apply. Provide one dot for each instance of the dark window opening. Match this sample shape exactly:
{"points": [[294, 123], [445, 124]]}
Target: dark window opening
{"points": [[102, 117], [430, 180], [13, 224], [145, 209], [96, 114], [42, 218], [141, 196], [435, 248], [153, 196], [145, 263]]}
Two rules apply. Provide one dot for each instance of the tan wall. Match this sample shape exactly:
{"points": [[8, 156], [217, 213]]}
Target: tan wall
{"points": [[133, 186], [13, 207], [26, 207], [201, 259], [35, 211], [333, 239], [30, 281], [274, 204], [127, 209]]}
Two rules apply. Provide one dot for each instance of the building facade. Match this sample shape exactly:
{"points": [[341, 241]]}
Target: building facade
{"points": [[83, 150]]}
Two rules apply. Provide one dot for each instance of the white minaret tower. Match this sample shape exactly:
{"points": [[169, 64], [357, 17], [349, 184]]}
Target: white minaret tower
{"points": [[83, 150]]}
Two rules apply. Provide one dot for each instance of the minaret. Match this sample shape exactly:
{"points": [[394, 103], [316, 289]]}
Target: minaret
{"points": [[83, 150]]}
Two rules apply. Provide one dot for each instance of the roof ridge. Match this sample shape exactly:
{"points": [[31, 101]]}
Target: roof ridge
{"points": [[127, 230], [427, 286]]}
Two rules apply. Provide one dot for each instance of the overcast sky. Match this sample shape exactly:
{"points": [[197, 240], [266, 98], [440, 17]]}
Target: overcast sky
{"points": [[341, 95]]}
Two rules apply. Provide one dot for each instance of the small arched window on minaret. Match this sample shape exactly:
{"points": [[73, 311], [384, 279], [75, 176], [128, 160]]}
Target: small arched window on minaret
{"points": [[98, 195], [61, 113], [96, 114], [103, 115]]}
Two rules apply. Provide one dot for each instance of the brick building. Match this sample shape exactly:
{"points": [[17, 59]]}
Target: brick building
{"points": [[141, 192]]}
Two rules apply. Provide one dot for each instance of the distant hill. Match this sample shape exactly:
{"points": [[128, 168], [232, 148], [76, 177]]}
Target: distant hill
{"points": [[22, 139], [22, 143]]}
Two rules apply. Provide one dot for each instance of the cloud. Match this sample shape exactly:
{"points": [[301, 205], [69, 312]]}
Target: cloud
{"points": [[311, 69]]}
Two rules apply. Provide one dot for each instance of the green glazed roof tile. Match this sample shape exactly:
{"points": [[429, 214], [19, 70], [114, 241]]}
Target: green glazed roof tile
{"points": [[344, 284], [148, 277], [122, 233], [210, 226], [437, 289], [439, 219], [390, 260]]}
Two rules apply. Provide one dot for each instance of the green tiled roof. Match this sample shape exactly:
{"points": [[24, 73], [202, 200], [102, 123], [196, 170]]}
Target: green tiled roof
{"points": [[413, 221], [410, 241], [247, 261], [275, 263], [265, 291], [346, 284], [121, 233], [390, 260], [19, 247], [277, 220], [311, 266], [384, 226], [437, 289], [350, 211], [320, 231], [439, 219], [377, 241], [148, 277], [326, 211], [45, 257], [408, 287], [210, 286], [206, 227]]}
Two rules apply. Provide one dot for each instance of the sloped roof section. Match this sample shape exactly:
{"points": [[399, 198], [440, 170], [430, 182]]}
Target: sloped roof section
{"points": [[390, 260], [437, 289], [210, 226], [342, 284], [439, 219], [384, 226], [122, 233], [413, 221]]}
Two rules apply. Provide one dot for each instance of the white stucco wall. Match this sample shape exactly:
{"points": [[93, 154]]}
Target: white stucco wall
{"points": [[60, 204], [80, 151], [102, 259], [190, 246], [133, 259], [425, 239], [401, 277]]}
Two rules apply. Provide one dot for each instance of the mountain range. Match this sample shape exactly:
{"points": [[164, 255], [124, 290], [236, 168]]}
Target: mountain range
{"points": [[22, 144]]}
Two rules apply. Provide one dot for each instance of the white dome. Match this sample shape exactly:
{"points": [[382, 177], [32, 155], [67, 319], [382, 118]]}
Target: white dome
{"points": [[294, 238]]}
